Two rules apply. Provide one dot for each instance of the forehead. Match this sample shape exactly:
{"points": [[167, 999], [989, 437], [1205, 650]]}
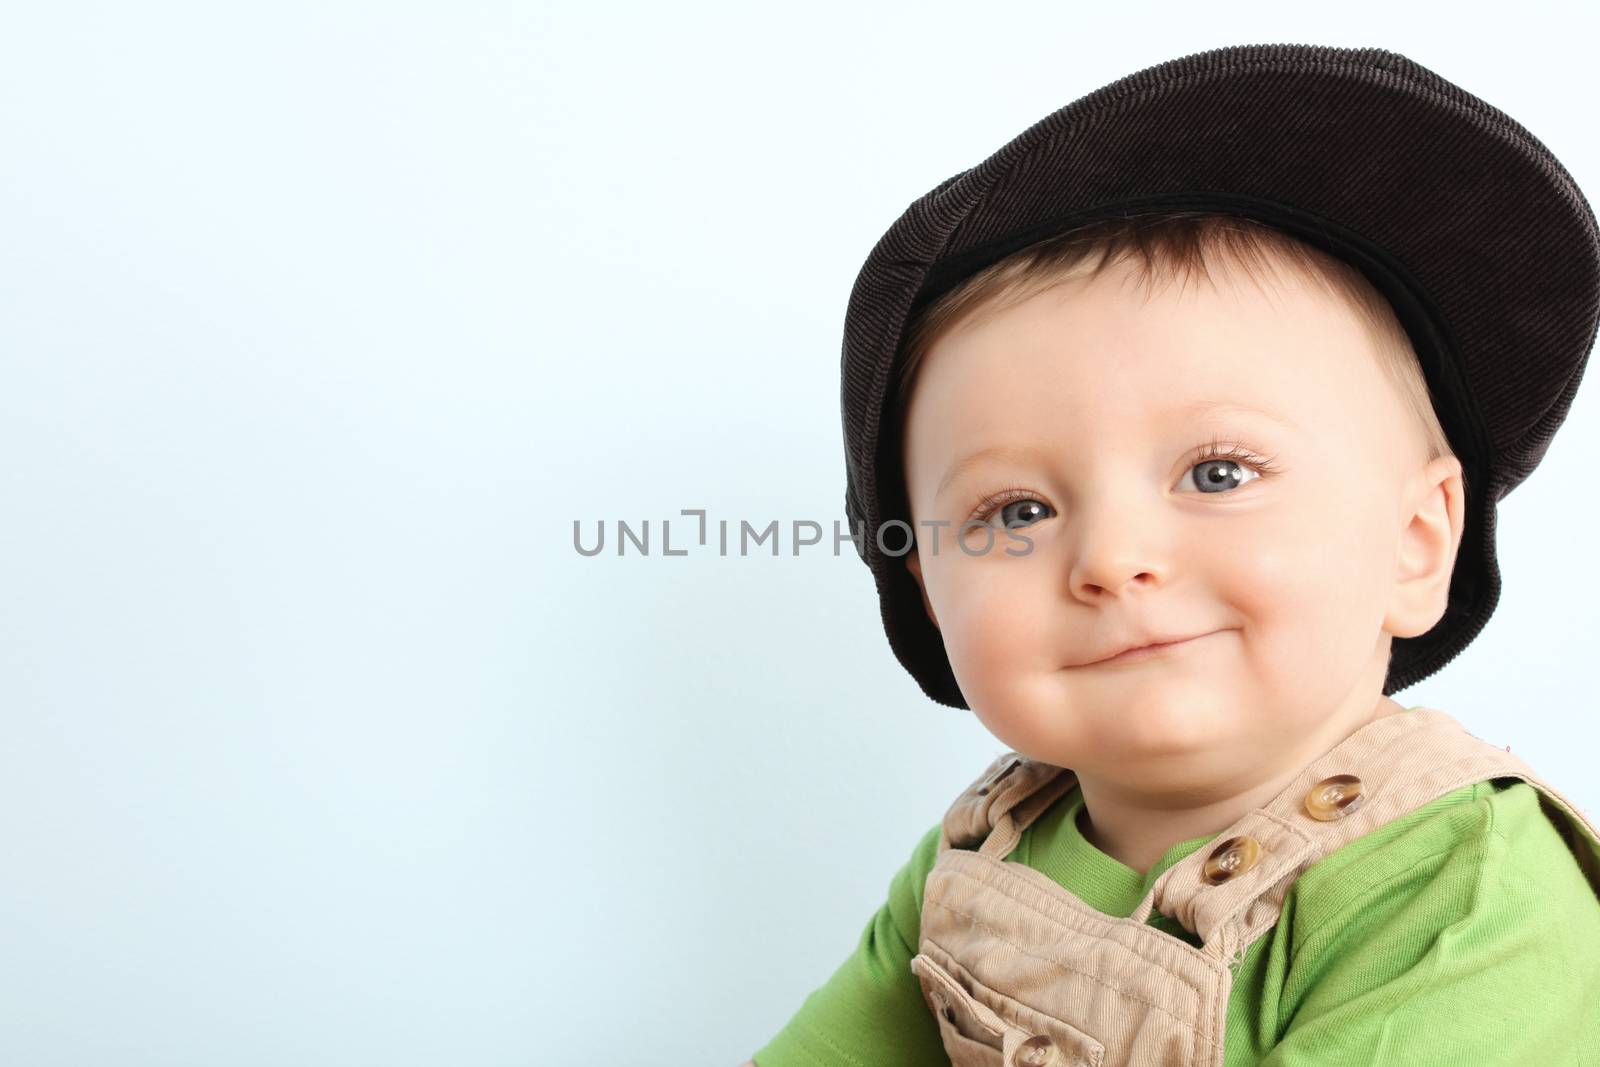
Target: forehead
{"points": [[1113, 345]]}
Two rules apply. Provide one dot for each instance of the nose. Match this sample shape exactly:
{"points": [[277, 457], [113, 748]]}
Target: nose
{"points": [[1111, 578], [1110, 557]]}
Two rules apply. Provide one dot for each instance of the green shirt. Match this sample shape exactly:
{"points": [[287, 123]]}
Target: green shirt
{"points": [[1461, 933]]}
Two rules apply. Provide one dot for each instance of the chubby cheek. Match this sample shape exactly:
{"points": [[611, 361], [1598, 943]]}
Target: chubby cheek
{"points": [[999, 627], [985, 622], [1310, 594]]}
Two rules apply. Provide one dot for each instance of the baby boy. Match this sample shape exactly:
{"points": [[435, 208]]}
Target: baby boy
{"points": [[1190, 413]]}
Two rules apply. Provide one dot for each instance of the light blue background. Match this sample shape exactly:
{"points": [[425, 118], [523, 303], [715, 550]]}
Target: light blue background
{"points": [[319, 743]]}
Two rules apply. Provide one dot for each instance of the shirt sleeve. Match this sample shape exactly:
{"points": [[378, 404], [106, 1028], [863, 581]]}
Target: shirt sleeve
{"points": [[1485, 954], [871, 1012]]}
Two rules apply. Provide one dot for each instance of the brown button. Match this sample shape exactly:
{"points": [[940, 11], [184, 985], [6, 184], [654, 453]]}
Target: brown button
{"points": [[994, 779], [1234, 856], [1037, 1051], [1334, 798]]}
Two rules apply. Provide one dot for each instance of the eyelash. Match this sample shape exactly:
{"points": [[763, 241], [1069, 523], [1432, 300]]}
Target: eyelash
{"points": [[1213, 450]]}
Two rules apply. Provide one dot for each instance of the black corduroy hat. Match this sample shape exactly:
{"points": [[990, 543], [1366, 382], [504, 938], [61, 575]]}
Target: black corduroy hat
{"points": [[1476, 234]]}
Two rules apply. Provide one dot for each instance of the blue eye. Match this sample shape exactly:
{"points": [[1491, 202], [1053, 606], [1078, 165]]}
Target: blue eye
{"points": [[1222, 468], [1027, 512], [1218, 475], [1017, 508]]}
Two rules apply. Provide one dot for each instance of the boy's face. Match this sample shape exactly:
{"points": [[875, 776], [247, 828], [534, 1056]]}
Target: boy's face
{"points": [[1296, 578]]}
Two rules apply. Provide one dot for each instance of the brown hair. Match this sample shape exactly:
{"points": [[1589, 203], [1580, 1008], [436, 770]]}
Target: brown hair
{"points": [[1173, 244]]}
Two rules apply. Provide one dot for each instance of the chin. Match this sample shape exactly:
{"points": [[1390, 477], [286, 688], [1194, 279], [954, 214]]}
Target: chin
{"points": [[1181, 719], [1145, 717]]}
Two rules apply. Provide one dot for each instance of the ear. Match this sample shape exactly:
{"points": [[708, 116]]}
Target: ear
{"points": [[1428, 546], [914, 565]]}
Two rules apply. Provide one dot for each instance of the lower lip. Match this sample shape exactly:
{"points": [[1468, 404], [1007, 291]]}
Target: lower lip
{"points": [[1136, 654]]}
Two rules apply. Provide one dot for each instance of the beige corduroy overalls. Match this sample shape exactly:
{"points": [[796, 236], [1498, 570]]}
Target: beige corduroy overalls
{"points": [[1021, 973]]}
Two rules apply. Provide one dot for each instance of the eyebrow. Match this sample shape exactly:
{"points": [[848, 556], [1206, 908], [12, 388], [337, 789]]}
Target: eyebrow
{"points": [[1017, 453], [1224, 407], [1010, 452]]}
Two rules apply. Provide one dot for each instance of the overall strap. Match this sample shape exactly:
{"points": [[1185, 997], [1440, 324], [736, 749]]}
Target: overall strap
{"points": [[1232, 890], [994, 810]]}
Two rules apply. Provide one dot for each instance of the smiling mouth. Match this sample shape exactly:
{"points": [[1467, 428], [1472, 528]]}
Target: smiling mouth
{"points": [[1134, 655]]}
